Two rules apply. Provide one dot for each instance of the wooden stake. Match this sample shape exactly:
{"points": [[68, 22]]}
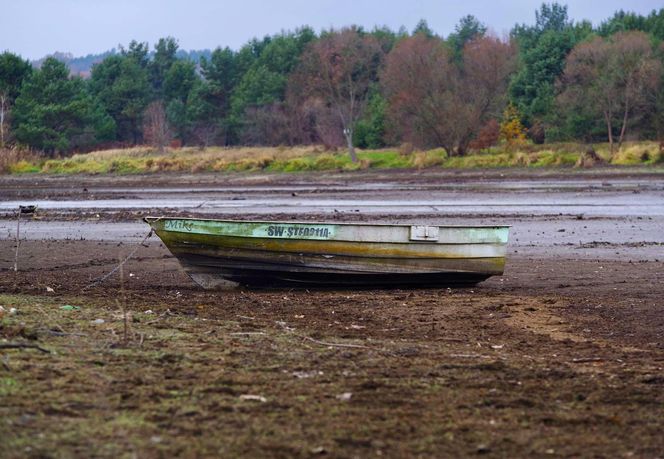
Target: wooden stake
{"points": [[123, 299], [18, 240]]}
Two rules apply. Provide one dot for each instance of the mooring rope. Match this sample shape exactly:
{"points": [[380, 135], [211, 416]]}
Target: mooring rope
{"points": [[109, 274]]}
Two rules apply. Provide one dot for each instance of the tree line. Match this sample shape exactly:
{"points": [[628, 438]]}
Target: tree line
{"points": [[550, 81]]}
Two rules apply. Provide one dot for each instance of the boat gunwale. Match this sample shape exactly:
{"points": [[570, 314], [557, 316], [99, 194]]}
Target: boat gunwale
{"points": [[149, 220]]}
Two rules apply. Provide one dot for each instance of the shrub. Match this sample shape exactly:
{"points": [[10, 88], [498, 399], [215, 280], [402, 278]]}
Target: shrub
{"points": [[298, 164], [327, 162], [589, 159], [406, 149], [487, 137], [200, 166], [11, 157], [536, 133], [23, 167], [426, 159], [511, 129], [632, 155], [657, 157]]}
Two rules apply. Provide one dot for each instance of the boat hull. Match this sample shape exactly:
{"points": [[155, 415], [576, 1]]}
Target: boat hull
{"points": [[218, 254]]}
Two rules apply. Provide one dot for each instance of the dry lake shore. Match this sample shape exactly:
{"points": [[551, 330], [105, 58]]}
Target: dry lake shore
{"points": [[561, 356]]}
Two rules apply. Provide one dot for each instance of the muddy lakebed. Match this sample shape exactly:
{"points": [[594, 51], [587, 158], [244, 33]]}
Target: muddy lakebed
{"points": [[561, 356]]}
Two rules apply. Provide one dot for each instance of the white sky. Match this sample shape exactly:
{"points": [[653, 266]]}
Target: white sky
{"points": [[34, 28]]}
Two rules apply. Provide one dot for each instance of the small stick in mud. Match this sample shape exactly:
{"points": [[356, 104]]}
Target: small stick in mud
{"points": [[18, 240], [123, 300], [587, 359], [21, 210], [321, 343]]}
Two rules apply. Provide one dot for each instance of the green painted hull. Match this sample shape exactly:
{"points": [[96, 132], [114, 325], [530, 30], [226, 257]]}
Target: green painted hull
{"points": [[218, 253]]}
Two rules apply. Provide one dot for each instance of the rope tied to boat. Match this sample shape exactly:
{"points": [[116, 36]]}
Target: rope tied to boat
{"points": [[114, 270]]}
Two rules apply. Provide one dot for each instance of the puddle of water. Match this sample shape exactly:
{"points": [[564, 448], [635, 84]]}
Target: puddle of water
{"points": [[608, 206]]}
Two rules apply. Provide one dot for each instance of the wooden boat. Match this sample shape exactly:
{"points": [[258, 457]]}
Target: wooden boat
{"points": [[224, 253]]}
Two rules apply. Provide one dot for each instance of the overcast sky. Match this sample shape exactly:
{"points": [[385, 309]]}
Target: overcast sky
{"points": [[34, 28]]}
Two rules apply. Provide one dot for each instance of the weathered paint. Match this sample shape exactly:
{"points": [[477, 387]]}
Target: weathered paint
{"points": [[338, 231], [368, 249], [215, 252], [275, 230]]}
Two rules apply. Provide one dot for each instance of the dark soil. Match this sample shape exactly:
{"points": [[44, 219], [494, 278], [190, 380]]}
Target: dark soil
{"points": [[562, 356]]}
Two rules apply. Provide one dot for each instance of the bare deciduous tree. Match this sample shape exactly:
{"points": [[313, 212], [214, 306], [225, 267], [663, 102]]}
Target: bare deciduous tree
{"points": [[266, 125], [338, 70], [439, 102], [612, 77], [156, 130], [419, 80], [4, 117], [487, 65]]}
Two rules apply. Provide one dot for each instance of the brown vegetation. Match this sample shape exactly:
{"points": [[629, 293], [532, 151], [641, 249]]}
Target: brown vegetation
{"points": [[14, 155], [612, 77], [589, 159], [487, 136], [156, 130], [437, 101], [337, 71]]}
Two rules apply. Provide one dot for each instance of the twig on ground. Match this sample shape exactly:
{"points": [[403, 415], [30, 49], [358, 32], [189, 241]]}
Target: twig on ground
{"points": [[587, 359], [24, 346], [321, 343], [161, 316], [60, 333], [470, 356], [324, 343]]}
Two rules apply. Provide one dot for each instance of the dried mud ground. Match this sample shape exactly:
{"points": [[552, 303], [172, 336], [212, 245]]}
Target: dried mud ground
{"points": [[563, 356]]}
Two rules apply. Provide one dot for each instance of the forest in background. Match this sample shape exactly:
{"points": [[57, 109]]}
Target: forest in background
{"points": [[555, 80]]}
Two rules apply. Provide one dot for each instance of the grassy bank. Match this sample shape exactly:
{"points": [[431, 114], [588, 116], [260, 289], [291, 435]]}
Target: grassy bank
{"points": [[311, 158]]}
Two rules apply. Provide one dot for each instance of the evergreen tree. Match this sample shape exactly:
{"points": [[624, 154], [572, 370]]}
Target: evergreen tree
{"points": [[423, 28], [468, 28], [178, 84], [212, 99], [121, 84], [370, 129], [13, 71], [164, 57], [55, 113], [265, 81], [386, 37], [138, 52], [543, 49], [203, 114]]}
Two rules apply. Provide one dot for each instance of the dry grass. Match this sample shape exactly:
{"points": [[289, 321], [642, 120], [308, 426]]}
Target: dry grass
{"points": [[133, 152], [425, 159], [637, 153], [315, 158], [12, 157], [233, 154]]}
